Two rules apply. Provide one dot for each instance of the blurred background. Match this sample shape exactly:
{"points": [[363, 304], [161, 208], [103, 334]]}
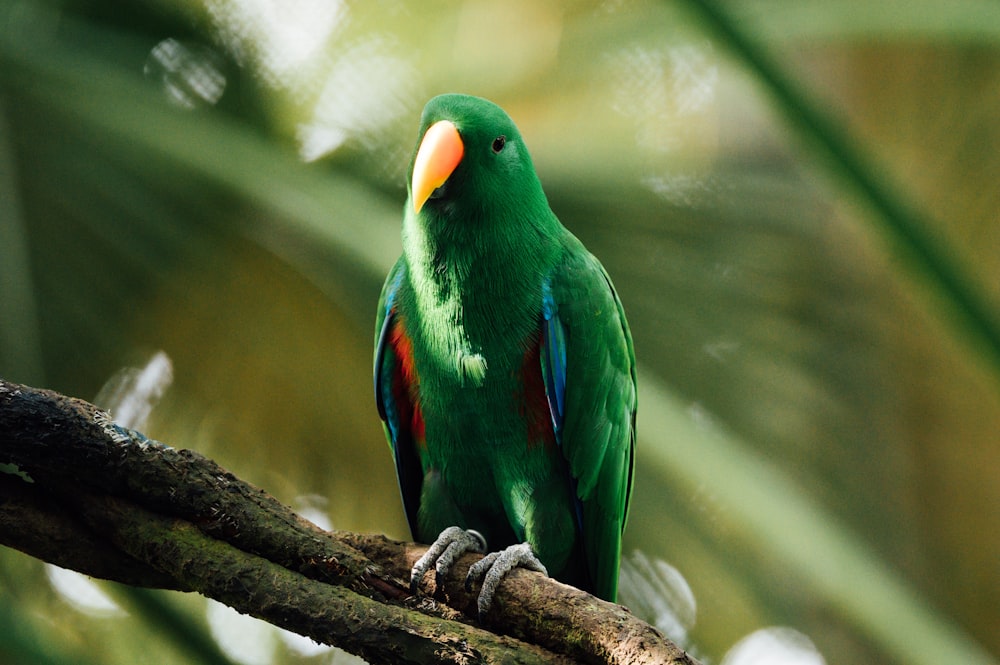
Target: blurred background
{"points": [[222, 181]]}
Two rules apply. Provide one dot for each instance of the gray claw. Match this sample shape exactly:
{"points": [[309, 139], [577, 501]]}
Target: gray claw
{"points": [[447, 548], [493, 567]]}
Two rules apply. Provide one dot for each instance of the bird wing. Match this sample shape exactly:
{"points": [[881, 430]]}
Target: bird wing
{"points": [[588, 367], [395, 392]]}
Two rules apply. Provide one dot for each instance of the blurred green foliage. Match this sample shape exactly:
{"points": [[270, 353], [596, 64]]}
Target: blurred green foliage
{"points": [[817, 433]]}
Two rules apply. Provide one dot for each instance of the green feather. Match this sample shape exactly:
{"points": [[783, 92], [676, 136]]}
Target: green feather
{"points": [[599, 426], [467, 295]]}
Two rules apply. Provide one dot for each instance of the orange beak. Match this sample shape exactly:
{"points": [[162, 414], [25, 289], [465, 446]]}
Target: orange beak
{"points": [[440, 152]]}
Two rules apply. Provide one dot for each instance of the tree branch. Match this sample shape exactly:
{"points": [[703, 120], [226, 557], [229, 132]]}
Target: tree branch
{"points": [[84, 493]]}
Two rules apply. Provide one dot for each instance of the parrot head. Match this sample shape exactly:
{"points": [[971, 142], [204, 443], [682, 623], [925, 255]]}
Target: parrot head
{"points": [[470, 161]]}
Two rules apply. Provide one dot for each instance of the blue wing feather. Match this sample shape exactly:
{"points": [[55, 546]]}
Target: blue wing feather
{"points": [[385, 318], [553, 357]]}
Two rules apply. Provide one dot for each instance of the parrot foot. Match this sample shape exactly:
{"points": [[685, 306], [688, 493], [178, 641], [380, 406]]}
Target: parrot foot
{"points": [[494, 567], [449, 546]]}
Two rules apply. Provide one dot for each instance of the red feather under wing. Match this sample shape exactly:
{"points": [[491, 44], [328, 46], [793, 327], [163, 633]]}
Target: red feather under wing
{"points": [[535, 404], [406, 384]]}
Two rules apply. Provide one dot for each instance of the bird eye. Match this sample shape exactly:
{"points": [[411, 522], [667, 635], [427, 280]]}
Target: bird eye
{"points": [[499, 142]]}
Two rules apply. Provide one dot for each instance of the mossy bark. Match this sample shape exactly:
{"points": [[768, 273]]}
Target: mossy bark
{"points": [[82, 492]]}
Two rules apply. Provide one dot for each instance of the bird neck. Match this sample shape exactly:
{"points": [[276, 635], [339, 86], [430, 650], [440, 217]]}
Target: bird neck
{"points": [[476, 254]]}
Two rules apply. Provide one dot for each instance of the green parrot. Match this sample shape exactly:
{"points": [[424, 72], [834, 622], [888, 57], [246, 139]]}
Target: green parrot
{"points": [[504, 368]]}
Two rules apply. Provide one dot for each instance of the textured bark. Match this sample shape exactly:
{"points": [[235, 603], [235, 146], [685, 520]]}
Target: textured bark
{"points": [[86, 494]]}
